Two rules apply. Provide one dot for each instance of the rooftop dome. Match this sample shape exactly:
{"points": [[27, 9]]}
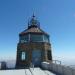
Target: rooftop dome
{"points": [[33, 27], [33, 22]]}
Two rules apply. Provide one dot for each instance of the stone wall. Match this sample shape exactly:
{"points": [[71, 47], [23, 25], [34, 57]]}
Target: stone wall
{"points": [[28, 48]]}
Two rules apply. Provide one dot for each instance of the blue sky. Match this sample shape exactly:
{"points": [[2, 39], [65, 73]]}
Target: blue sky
{"points": [[57, 17]]}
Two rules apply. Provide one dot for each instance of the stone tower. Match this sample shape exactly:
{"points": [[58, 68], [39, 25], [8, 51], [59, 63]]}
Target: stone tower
{"points": [[34, 46]]}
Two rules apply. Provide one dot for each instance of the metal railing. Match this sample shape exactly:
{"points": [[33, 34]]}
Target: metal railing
{"points": [[56, 62], [56, 66]]}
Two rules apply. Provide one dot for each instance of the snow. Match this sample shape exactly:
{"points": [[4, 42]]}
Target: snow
{"points": [[38, 71], [46, 62], [48, 73], [31, 71], [12, 72]]}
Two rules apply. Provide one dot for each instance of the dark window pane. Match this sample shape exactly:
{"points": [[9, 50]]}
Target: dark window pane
{"points": [[24, 38], [49, 55], [46, 38], [36, 38]]}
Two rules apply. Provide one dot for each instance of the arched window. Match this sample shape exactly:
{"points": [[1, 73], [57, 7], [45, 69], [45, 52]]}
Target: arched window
{"points": [[23, 56]]}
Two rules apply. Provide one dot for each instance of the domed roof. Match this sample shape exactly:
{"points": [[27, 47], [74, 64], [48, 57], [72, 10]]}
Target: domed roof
{"points": [[33, 27], [33, 22]]}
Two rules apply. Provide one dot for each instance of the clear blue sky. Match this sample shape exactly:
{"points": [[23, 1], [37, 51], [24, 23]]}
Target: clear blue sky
{"points": [[57, 17]]}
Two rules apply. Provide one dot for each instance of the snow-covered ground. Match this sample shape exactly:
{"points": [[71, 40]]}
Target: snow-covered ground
{"points": [[38, 71], [31, 71]]}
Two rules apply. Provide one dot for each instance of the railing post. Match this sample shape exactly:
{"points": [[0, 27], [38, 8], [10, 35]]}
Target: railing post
{"points": [[32, 65], [72, 71]]}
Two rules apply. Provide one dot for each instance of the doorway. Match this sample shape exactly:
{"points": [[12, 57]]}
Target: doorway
{"points": [[36, 58]]}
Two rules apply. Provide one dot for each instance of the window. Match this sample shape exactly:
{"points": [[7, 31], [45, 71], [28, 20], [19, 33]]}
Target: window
{"points": [[49, 55], [36, 38], [22, 41], [24, 38], [46, 38], [23, 56]]}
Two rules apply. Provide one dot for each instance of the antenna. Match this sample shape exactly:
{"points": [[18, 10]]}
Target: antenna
{"points": [[33, 15]]}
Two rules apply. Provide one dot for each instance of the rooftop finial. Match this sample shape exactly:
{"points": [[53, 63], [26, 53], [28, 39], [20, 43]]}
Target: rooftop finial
{"points": [[33, 15]]}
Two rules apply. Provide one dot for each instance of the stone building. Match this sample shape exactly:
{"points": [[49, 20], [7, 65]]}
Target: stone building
{"points": [[3, 65], [34, 45]]}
